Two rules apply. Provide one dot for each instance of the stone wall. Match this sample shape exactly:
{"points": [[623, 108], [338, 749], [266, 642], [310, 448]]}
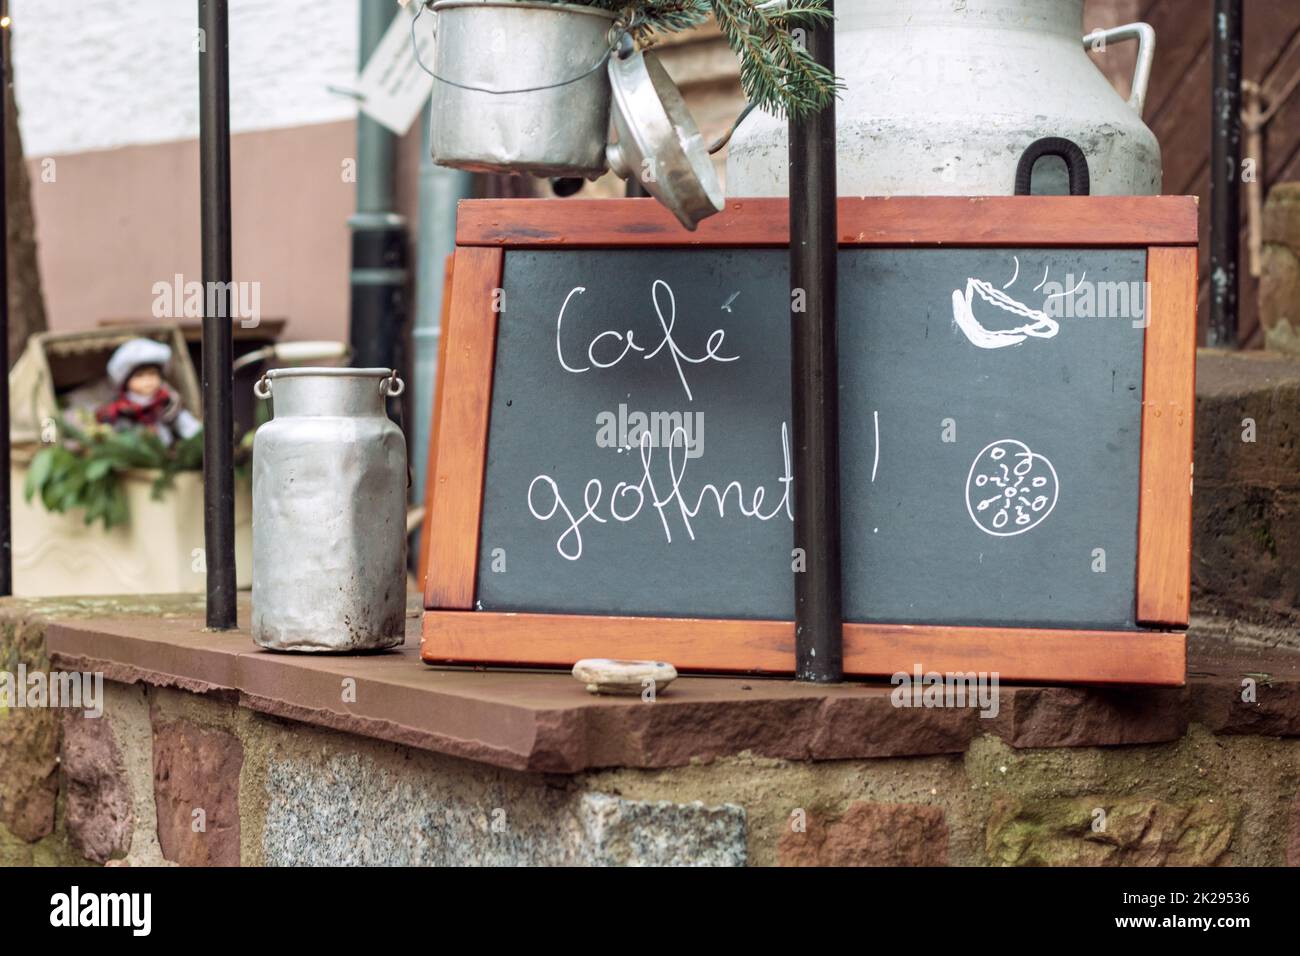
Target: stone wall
{"points": [[169, 775], [1246, 506]]}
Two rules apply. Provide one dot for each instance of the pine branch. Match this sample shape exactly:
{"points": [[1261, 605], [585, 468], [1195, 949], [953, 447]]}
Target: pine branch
{"points": [[776, 71], [643, 18]]}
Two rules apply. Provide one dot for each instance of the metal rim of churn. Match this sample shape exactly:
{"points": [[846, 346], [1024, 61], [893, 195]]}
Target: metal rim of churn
{"points": [[390, 385]]}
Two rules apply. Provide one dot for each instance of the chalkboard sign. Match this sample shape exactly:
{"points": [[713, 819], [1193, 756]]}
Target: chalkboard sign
{"points": [[625, 478]]}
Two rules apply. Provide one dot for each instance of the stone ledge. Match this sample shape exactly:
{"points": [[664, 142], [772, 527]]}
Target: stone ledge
{"points": [[547, 722]]}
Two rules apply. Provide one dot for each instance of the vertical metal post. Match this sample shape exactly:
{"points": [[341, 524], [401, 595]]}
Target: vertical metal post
{"points": [[218, 414], [819, 654], [6, 524], [1225, 176]]}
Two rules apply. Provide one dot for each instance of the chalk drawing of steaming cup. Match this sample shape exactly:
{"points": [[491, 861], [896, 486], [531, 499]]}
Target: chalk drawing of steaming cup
{"points": [[1010, 489], [1039, 324]]}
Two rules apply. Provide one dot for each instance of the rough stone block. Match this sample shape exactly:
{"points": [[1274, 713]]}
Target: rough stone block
{"points": [[196, 769], [1279, 282], [1218, 705], [1246, 506], [1293, 834], [350, 809], [870, 834], [660, 833], [1133, 832], [98, 811], [29, 742]]}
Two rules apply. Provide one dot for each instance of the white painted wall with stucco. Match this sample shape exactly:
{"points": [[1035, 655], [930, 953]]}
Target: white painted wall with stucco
{"points": [[96, 74]]}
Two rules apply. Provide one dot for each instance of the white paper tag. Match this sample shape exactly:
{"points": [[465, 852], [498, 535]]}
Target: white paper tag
{"points": [[392, 87]]}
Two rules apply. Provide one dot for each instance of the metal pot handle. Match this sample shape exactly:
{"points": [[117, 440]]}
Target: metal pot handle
{"points": [[262, 388], [1146, 37], [617, 35]]}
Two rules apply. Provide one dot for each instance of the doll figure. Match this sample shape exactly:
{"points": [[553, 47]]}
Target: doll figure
{"points": [[144, 400]]}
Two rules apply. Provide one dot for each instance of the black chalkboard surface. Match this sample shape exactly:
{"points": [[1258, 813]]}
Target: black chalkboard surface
{"points": [[637, 457]]}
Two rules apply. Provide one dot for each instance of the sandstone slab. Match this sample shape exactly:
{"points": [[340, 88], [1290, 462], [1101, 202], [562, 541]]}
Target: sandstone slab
{"points": [[1095, 717]]}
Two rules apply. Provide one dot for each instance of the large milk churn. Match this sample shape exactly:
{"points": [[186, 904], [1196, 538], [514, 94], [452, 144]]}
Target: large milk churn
{"points": [[329, 512], [943, 97]]}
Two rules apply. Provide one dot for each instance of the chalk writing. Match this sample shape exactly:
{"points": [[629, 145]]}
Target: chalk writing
{"points": [[661, 296], [671, 501]]}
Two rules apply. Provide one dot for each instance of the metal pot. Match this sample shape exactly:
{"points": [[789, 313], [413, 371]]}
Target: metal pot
{"points": [[657, 142], [514, 49], [329, 512], [943, 98]]}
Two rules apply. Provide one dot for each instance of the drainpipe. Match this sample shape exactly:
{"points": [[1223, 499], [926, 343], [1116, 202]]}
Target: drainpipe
{"points": [[440, 189], [378, 279]]}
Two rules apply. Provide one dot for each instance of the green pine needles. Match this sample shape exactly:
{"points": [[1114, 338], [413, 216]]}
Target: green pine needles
{"points": [[776, 71]]}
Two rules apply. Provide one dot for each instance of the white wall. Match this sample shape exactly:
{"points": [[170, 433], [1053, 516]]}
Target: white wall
{"points": [[95, 74]]}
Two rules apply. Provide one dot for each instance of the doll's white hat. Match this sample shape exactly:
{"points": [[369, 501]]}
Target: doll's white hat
{"points": [[130, 355]]}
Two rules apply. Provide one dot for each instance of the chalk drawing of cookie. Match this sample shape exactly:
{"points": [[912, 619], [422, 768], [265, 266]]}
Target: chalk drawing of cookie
{"points": [[1010, 489]]}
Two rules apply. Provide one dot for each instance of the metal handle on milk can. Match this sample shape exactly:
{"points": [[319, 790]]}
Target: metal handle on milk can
{"points": [[262, 388], [1076, 164], [1145, 35]]}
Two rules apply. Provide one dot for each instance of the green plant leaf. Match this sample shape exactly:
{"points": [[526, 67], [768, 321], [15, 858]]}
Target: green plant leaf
{"points": [[70, 493], [38, 472], [118, 512]]}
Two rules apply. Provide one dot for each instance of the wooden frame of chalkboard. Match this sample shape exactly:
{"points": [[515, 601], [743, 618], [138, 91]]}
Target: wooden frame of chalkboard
{"points": [[1165, 227]]}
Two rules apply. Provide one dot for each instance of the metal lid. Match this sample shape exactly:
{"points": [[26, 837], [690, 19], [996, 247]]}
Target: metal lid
{"points": [[658, 141]]}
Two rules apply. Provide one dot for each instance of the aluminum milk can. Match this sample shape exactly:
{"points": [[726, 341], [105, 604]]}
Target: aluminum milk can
{"points": [[942, 98], [329, 512]]}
